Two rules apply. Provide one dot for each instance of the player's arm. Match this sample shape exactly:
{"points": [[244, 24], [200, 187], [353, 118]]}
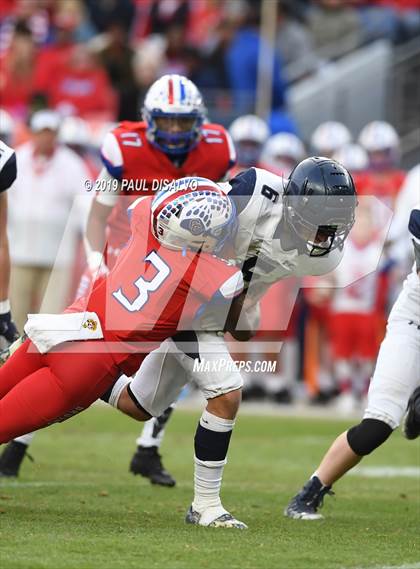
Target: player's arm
{"points": [[414, 228], [239, 322], [7, 177], [225, 311], [4, 250], [105, 200], [100, 210]]}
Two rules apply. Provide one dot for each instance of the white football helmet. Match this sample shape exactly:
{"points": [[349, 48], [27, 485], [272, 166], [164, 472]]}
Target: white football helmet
{"points": [[193, 213], [6, 125], [174, 97], [382, 143], [328, 137], [249, 133], [74, 131], [282, 152], [353, 157]]}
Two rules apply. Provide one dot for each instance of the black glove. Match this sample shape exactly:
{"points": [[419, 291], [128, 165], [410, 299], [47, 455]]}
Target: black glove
{"points": [[7, 328]]}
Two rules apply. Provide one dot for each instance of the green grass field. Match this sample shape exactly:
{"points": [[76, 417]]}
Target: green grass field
{"points": [[78, 507]]}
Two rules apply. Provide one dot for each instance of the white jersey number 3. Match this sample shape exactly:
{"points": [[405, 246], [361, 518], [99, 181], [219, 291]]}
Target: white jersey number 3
{"points": [[143, 286]]}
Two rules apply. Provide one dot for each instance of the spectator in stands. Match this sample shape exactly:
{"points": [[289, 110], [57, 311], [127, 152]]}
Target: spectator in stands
{"points": [[335, 27], [49, 178], [52, 57], [17, 72], [81, 86], [103, 14], [117, 58], [149, 62], [397, 20], [242, 59], [294, 43], [33, 14], [164, 15], [214, 73]]}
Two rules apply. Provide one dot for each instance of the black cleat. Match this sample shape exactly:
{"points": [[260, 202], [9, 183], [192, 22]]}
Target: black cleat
{"points": [[411, 425], [147, 462], [304, 505], [12, 458]]}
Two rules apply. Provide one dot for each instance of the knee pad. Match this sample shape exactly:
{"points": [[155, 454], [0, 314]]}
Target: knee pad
{"points": [[368, 435]]}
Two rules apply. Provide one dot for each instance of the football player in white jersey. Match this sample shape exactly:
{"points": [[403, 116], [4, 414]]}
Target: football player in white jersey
{"points": [[285, 227], [390, 389], [8, 332]]}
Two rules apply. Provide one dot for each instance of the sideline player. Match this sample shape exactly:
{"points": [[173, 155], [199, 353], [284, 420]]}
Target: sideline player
{"points": [[8, 171], [173, 141], [164, 276], [389, 392]]}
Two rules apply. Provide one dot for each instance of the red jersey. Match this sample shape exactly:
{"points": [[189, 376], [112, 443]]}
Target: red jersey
{"points": [[144, 169], [384, 186], [152, 292]]}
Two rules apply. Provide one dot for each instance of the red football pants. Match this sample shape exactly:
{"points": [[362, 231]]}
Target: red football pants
{"points": [[37, 390]]}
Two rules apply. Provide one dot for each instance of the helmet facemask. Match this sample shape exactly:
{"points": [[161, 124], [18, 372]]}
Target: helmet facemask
{"points": [[187, 126], [326, 232]]}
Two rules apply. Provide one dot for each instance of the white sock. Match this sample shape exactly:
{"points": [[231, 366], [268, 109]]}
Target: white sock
{"points": [[146, 438], [208, 475], [25, 439], [154, 429]]}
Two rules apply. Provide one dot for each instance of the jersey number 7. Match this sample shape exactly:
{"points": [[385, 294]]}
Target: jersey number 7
{"points": [[143, 286]]}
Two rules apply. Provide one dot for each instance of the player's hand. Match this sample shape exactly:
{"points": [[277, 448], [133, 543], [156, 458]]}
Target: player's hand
{"points": [[211, 323], [8, 330]]}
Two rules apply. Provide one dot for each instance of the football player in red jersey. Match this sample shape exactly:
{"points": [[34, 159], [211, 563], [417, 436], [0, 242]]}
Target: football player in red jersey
{"points": [[249, 134], [382, 178], [152, 291], [173, 141]]}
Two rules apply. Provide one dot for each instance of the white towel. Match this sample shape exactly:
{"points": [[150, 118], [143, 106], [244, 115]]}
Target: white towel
{"points": [[49, 330]]}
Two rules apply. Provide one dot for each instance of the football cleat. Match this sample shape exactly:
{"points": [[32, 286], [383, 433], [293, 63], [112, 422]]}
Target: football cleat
{"points": [[12, 458], [214, 517], [304, 506], [10, 350], [147, 462], [411, 424]]}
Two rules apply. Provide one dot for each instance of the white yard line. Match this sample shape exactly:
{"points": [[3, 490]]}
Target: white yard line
{"points": [[405, 566], [16, 484], [386, 472]]}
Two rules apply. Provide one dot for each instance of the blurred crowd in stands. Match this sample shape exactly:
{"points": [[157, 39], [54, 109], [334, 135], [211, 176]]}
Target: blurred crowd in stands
{"points": [[92, 62], [96, 59]]}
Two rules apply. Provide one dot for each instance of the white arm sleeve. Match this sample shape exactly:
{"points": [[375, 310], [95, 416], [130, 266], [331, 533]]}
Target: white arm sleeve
{"points": [[108, 197]]}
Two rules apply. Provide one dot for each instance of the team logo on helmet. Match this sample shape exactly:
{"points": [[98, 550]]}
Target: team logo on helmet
{"points": [[195, 226]]}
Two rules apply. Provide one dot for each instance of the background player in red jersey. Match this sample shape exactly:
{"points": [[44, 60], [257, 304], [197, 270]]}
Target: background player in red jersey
{"points": [[173, 141], [151, 291]]}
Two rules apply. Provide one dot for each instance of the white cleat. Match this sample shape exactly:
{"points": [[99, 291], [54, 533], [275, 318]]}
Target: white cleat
{"points": [[215, 517]]}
